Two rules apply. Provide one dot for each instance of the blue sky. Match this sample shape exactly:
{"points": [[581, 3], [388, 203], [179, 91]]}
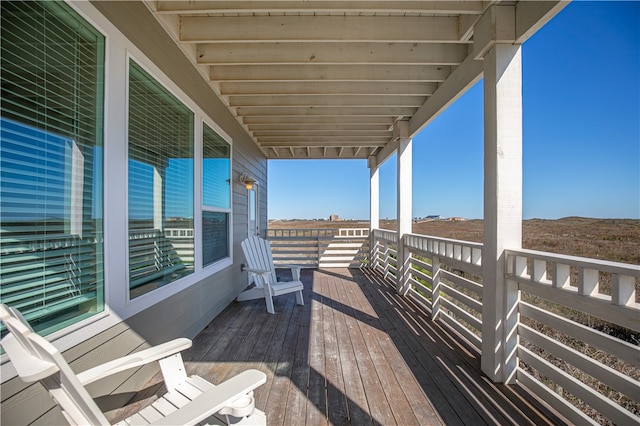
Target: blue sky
{"points": [[581, 136]]}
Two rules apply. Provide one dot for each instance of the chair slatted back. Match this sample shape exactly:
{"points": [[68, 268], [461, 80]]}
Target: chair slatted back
{"points": [[34, 358], [258, 254]]}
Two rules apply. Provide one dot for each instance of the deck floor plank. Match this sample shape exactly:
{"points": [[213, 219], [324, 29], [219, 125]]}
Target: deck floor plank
{"points": [[356, 353], [316, 395], [354, 389], [296, 408], [396, 379], [379, 406], [266, 354], [276, 405], [337, 410], [442, 393]]}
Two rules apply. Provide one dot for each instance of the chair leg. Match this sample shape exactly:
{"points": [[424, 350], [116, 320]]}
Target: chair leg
{"points": [[299, 299], [269, 301]]}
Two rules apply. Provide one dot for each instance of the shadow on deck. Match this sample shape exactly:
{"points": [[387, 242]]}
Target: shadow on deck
{"points": [[355, 353]]}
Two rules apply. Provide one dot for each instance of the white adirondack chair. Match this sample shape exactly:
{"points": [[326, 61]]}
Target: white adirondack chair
{"points": [[261, 267], [189, 400]]}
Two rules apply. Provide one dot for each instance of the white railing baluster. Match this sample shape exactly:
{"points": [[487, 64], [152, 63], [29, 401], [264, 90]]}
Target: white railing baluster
{"points": [[587, 281], [561, 275], [539, 270], [623, 290], [519, 266]]}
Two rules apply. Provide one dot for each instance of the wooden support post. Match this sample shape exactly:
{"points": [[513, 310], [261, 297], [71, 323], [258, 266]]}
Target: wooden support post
{"points": [[374, 208], [502, 206], [404, 204]]}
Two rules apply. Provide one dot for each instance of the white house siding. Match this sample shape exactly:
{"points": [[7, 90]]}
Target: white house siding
{"points": [[190, 309]]}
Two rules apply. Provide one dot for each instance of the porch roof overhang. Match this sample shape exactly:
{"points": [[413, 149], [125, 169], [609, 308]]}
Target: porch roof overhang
{"points": [[332, 79]]}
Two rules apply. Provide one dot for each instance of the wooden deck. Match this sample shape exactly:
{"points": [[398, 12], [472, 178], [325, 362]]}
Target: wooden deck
{"points": [[355, 353]]}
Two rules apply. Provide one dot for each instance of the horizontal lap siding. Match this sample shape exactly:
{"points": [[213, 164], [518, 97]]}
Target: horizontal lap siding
{"points": [[190, 310]]}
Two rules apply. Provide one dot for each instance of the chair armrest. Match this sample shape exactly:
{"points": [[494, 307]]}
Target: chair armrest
{"points": [[134, 360], [215, 399], [295, 271], [257, 271]]}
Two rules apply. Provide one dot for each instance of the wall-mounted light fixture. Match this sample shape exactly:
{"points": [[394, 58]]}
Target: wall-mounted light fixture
{"points": [[247, 180]]}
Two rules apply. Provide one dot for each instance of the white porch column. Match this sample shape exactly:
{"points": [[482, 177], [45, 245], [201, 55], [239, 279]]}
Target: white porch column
{"points": [[374, 207], [374, 194], [404, 212], [502, 207]]}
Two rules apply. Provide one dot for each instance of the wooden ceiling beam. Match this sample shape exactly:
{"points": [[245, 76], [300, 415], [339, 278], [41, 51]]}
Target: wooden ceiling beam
{"points": [[306, 128], [406, 7], [327, 88], [319, 143], [325, 111], [349, 29], [261, 136], [331, 53], [323, 132], [327, 101], [329, 73], [302, 120]]}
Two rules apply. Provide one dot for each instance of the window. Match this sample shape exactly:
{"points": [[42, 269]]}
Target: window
{"points": [[216, 196], [160, 185], [51, 237]]}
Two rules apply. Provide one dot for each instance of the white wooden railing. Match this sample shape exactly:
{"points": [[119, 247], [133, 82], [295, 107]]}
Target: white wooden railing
{"points": [[574, 318], [571, 311], [323, 248], [445, 276]]}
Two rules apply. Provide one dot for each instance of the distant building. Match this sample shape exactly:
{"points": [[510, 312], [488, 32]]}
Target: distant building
{"points": [[335, 218]]}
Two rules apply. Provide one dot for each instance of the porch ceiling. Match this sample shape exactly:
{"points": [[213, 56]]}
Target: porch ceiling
{"points": [[330, 79]]}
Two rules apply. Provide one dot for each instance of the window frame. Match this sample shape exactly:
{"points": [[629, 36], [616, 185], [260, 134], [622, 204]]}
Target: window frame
{"points": [[87, 328], [219, 264], [180, 97], [137, 304], [73, 323]]}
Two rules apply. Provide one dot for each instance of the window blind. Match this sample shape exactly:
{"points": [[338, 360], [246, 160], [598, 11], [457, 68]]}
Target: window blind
{"points": [[160, 184], [52, 73]]}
